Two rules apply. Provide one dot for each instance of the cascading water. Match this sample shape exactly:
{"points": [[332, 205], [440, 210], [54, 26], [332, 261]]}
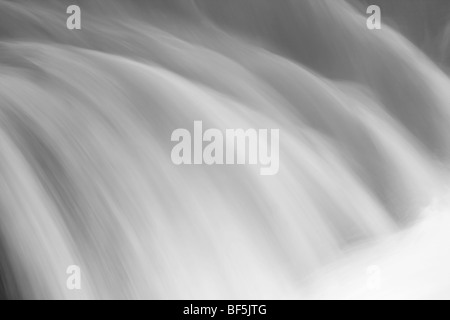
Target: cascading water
{"points": [[86, 177]]}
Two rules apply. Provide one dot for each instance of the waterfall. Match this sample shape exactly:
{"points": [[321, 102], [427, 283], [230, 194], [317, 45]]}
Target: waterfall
{"points": [[86, 177]]}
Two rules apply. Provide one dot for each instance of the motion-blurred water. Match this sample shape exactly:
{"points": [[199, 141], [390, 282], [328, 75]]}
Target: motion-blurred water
{"points": [[86, 176]]}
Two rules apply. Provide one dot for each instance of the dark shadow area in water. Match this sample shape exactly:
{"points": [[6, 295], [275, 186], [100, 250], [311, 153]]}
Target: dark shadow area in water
{"points": [[8, 286]]}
